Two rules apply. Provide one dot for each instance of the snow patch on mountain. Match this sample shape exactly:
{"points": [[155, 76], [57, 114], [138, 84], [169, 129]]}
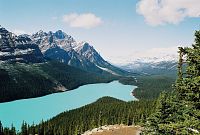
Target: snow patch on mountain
{"points": [[108, 70], [15, 48], [51, 40]]}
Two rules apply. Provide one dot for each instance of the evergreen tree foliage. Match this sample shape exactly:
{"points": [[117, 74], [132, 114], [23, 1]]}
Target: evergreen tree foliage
{"points": [[24, 128], [20, 80], [1, 128], [150, 87], [179, 112], [105, 111]]}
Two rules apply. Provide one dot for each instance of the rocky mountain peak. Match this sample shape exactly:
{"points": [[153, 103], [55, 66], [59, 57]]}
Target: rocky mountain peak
{"points": [[51, 39], [84, 47], [60, 34], [39, 34], [18, 48], [88, 51]]}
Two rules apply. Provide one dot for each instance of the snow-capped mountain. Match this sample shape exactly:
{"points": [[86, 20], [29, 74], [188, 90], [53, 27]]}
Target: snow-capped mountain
{"points": [[53, 46], [51, 40], [88, 51], [18, 48], [62, 47], [150, 65]]}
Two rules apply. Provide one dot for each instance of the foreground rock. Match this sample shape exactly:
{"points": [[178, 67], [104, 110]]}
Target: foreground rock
{"points": [[114, 130]]}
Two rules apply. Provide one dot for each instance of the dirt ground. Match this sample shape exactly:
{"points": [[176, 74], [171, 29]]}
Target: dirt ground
{"points": [[122, 130]]}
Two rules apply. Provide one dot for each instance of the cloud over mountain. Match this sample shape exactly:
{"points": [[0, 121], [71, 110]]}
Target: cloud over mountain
{"points": [[159, 12], [86, 20]]}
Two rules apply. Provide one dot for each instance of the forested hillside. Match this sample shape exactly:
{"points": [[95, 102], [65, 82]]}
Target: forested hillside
{"points": [[20, 80], [150, 86], [104, 111]]}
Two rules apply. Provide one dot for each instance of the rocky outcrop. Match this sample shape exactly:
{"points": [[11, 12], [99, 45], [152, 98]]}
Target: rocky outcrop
{"points": [[115, 130], [18, 48]]}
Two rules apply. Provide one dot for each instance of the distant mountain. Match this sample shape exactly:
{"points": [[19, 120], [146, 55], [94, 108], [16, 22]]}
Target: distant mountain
{"points": [[18, 48], [152, 65]]}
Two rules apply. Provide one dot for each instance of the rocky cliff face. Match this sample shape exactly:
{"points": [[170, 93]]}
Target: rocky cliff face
{"points": [[18, 48], [86, 50]]}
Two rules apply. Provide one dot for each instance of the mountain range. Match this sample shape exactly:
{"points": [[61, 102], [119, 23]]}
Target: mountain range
{"points": [[47, 62], [163, 64], [18, 48], [42, 46]]}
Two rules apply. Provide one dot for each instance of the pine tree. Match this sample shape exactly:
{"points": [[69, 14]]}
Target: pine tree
{"points": [[189, 88], [24, 128], [1, 128], [179, 112], [12, 130]]}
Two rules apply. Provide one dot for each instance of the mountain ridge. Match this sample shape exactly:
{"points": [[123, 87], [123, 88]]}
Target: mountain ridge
{"points": [[151, 65], [61, 47], [18, 48]]}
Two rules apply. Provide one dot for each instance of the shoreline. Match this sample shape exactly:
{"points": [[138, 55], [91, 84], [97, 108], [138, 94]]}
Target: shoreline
{"points": [[73, 88], [60, 91], [112, 83]]}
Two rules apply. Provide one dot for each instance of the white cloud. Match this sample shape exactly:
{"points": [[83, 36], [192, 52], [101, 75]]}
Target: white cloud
{"points": [[86, 20], [18, 31], [157, 52], [159, 12]]}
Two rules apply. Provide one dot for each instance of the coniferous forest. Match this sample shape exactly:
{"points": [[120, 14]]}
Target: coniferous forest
{"points": [[175, 112], [46, 78], [105, 111], [178, 112]]}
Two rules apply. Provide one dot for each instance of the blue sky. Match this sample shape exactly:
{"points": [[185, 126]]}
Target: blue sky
{"points": [[117, 27]]}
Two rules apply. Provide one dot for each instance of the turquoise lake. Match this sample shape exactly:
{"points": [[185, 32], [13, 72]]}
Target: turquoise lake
{"points": [[36, 109]]}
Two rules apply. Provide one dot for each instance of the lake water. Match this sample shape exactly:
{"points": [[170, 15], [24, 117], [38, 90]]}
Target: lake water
{"points": [[36, 109]]}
